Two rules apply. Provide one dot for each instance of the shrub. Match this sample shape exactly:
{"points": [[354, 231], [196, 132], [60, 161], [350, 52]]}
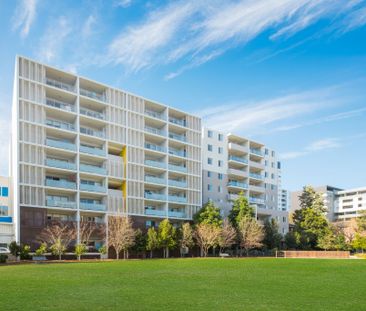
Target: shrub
{"points": [[102, 250], [41, 250], [3, 258], [80, 250], [15, 249], [24, 252]]}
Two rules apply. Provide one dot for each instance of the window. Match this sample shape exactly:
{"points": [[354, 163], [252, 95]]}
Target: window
{"points": [[283, 219], [266, 151], [273, 153], [272, 164], [272, 176], [265, 174], [272, 187], [149, 223], [221, 137], [279, 165], [209, 161], [208, 174], [209, 133], [209, 187], [219, 189], [265, 163], [221, 150], [5, 191], [3, 211], [209, 147], [220, 176], [219, 163]]}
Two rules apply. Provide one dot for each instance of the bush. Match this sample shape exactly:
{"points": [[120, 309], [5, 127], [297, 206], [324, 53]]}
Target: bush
{"points": [[15, 249], [3, 258], [24, 252], [102, 250], [41, 250]]}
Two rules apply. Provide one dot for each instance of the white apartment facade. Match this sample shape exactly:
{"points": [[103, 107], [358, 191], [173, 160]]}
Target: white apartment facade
{"points": [[6, 213], [83, 150], [284, 202], [233, 164]]}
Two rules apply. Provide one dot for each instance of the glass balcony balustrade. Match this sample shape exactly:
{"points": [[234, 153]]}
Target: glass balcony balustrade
{"points": [[60, 105], [92, 132], [93, 95], [154, 163], [60, 164], [92, 113], [178, 199], [60, 85], [61, 183], [155, 212], [92, 150], [180, 122], [256, 151], [238, 184], [177, 183], [60, 144], [177, 152], [176, 214], [92, 169], [177, 168], [60, 125], [154, 147], [177, 137], [256, 176], [92, 206], [155, 180], [155, 114], [54, 202], [155, 196], [238, 159], [92, 187], [155, 131]]}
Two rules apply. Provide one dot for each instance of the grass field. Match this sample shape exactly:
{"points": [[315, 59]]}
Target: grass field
{"points": [[186, 284]]}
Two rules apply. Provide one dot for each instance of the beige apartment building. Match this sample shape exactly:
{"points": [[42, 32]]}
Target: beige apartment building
{"points": [[84, 150]]}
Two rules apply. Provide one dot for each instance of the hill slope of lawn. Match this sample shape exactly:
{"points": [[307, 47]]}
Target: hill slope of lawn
{"points": [[186, 284]]}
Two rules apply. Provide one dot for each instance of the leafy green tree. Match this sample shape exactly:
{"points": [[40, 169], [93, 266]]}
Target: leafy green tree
{"points": [[240, 210], [140, 243], [272, 237], [361, 222], [208, 214], [166, 237], [152, 242], [359, 242], [80, 249], [310, 221]]}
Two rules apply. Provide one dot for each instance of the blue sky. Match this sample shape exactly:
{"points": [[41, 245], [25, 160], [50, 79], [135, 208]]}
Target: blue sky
{"points": [[288, 73]]}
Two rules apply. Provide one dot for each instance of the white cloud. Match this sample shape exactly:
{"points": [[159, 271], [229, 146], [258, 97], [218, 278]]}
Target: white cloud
{"points": [[196, 30], [24, 16], [253, 117], [316, 146], [87, 29], [123, 3], [52, 42]]}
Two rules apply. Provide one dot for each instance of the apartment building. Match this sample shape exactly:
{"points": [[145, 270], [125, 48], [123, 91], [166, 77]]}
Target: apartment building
{"points": [[349, 203], [233, 164], [6, 212], [82, 150], [284, 203]]}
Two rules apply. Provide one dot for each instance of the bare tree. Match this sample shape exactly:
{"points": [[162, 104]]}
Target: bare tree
{"points": [[86, 229], [186, 237], [206, 236], [227, 236], [121, 235], [58, 236], [251, 234]]}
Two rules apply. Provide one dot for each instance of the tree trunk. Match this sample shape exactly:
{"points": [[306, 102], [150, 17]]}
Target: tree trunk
{"points": [[167, 252], [151, 253], [117, 254], [59, 256], [79, 257]]}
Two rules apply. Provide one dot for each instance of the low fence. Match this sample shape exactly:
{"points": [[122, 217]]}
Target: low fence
{"points": [[313, 254]]}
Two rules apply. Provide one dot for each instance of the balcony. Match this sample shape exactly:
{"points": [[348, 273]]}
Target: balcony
{"points": [[154, 147], [236, 172], [177, 183], [237, 184], [256, 176], [94, 169], [177, 137], [60, 85], [60, 105], [155, 114], [153, 163], [60, 144], [92, 188], [255, 188], [176, 214], [60, 125], [177, 152], [92, 113], [177, 199], [155, 180], [60, 203], [155, 131], [238, 159], [61, 183], [180, 122], [92, 132], [60, 164], [258, 165], [155, 212], [155, 196], [92, 206], [237, 147], [256, 200], [177, 168], [93, 95], [92, 150], [256, 151]]}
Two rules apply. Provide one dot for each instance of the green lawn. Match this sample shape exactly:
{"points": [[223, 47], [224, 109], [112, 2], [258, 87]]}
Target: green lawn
{"points": [[186, 284]]}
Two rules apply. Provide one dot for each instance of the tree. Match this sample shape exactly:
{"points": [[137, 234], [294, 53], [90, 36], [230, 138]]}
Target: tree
{"points": [[310, 221], [240, 209], [272, 237], [207, 235], [86, 229], [166, 237], [227, 236], [208, 214], [152, 242], [359, 242], [186, 237], [121, 235], [361, 222], [58, 237], [80, 249], [251, 233], [140, 243]]}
